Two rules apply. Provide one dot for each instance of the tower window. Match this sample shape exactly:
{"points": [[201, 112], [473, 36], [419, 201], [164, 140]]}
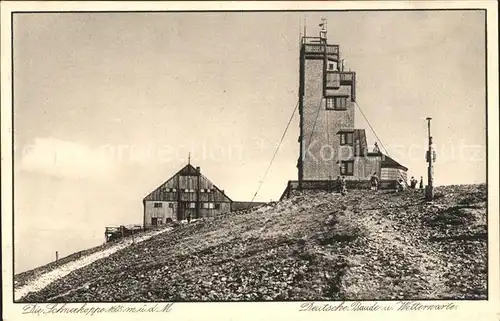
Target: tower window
{"points": [[332, 66], [340, 102], [347, 168], [158, 205], [330, 103], [346, 139], [337, 103]]}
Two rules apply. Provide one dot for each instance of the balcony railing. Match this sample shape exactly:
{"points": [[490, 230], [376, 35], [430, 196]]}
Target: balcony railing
{"points": [[320, 48]]}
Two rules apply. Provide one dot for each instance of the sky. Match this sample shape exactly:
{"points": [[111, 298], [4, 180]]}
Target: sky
{"points": [[107, 106]]}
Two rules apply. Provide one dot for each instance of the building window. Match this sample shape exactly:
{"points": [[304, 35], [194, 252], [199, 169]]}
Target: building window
{"points": [[340, 102], [337, 103], [347, 168], [217, 206], [346, 139], [209, 205], [330, 103], [209, 190], [170, 205], [202, 190], [158, 205]]}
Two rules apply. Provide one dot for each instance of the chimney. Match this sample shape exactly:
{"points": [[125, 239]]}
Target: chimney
{"points": [[198, 169]]}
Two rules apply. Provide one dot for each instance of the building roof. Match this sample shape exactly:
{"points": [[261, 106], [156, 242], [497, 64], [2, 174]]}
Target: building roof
{"points": [[388, 162], [187, 170]]}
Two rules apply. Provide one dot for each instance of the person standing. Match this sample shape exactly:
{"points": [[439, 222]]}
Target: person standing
{"points": [[374, 182], [339, 184], [400, 185], [413, 182], [421, 186], [343, 189]]}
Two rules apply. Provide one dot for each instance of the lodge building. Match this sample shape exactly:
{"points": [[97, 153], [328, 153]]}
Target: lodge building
{"points": [[187, 193]]}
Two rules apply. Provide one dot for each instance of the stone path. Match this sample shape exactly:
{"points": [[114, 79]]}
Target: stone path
{"points": [[47, 278]]}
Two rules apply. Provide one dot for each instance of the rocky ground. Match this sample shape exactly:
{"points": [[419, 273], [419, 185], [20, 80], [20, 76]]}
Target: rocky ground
{"points": [[313, 246]]}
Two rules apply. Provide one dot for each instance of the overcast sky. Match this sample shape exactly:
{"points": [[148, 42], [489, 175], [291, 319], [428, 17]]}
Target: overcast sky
{"points": [[108, 106]]}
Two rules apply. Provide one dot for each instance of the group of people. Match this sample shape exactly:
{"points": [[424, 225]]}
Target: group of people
{"points": [[375, 183], [413, 182]]}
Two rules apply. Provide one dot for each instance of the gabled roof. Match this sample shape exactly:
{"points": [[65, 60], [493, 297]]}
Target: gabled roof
{"points": [[388, 162], [187, 170]]}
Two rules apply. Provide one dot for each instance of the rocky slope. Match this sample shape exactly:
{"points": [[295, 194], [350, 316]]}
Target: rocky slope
{"points": [[313, 246]]}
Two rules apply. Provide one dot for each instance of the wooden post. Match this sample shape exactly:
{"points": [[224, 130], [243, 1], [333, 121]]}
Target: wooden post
{"points": [[57, 256], [429, 190]]}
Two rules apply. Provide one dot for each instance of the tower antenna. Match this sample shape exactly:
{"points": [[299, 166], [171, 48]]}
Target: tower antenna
{"points": [[189, 158], [322, 32], [300, 34], [305, 25]]}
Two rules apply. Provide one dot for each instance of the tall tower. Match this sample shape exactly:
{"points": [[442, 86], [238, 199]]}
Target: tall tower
{"points": [[327, 138]]}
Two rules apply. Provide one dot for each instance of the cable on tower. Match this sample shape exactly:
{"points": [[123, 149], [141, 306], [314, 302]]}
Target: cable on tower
{"points": [[275, 153]]}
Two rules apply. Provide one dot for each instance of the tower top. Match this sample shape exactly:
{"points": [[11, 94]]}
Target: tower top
{"points": [[322, 34]]}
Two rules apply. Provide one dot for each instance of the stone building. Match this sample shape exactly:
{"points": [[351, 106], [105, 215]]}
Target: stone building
{"points": [[330, 145]]}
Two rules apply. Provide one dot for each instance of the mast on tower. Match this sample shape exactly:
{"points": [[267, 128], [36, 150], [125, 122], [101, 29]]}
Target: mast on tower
{"points": [[322, 32]]}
